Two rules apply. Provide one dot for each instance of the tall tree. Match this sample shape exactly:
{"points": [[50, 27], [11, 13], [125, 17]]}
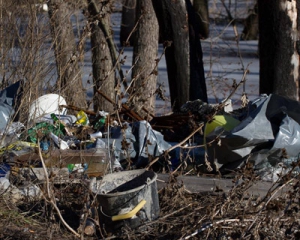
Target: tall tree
{"points": [[184, 65], [69, 81], [279, 24], [128, 22], [250, 31], [144, 73], [202, 17], [103, 73]]}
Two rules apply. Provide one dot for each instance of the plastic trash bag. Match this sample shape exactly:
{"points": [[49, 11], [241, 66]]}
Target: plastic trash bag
{"points": [[136, 141], [45, 105], [272, 125], [9, 98]]}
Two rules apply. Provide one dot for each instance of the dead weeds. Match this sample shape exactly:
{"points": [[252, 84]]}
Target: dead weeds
{"points": [[218, 214]]}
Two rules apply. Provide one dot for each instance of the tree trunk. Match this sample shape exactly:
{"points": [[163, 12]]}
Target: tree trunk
{"points": [[144, 73], [128, 22], [182, 55], [202, 17], [175, 29], [103, 73], [198, 84], [278, 41], [250, 31], [69, 82]]}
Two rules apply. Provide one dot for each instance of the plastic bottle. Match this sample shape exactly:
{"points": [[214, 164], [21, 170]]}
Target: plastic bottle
{"points": [[56, 120], [90, 227]]}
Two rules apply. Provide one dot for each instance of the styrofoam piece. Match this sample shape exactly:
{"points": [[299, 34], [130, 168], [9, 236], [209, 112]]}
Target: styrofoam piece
{"points": [[47, 104]]}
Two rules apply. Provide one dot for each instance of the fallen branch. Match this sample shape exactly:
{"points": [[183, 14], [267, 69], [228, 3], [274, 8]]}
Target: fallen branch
{"points": [[78, 109]]}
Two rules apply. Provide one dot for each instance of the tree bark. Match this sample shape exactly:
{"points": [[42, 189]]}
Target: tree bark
{"points": [[144, 73], [250, 31], [182, 56], [128, 22], [197, 85], [103, 73], [278, 41], [175, 30], [202, 17], [69, 81]]}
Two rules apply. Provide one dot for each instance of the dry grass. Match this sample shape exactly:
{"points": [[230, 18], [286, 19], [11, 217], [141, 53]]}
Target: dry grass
{"points": [[215, 215]]}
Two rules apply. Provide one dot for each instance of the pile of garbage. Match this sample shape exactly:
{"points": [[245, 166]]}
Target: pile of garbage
{"points": [[68, 146], [89, 144], [71, 147]]}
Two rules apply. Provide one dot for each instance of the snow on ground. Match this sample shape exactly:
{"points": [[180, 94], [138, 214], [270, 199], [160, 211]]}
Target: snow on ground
{"points": [[225, 60]]}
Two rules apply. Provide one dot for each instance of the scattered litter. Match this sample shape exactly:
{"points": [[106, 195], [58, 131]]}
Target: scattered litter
{"points": [[59, 142], [4, 185], [96, 149], [4, 177]]}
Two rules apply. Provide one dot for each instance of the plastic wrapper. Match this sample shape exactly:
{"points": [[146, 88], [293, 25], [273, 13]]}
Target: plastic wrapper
{"points": [[82, 118]]}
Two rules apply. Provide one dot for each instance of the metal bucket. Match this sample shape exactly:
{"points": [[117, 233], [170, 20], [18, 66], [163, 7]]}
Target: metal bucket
{"points": [[127, 198]]}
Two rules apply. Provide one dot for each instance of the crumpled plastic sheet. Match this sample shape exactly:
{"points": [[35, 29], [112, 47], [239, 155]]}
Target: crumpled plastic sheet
{"points": [[8, 99], [272, 125], [141, 140]]}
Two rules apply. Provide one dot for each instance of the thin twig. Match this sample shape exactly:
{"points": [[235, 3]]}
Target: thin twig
{"points": [[50, 197], [45, 171], [266, 203]]}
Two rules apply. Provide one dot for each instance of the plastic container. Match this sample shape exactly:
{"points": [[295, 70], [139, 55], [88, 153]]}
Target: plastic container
{"points": [[127, 198], [47, 104], [225, 121], [96, 160], [96, 135], [82, 118]]}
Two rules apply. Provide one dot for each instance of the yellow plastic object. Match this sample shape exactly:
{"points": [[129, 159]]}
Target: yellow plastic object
{"points": [[225, 121], [82, 118], [17, 146], [131, 213]]}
